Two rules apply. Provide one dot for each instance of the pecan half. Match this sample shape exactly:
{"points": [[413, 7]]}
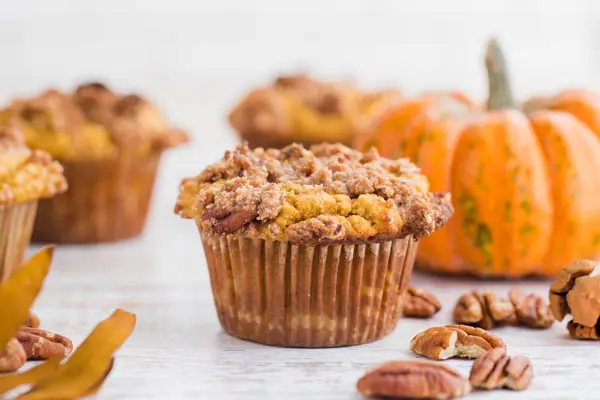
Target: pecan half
{"points": [[487, 372], [495, 369], [578, 331], [32, 320], [531, 309], [501, 311], [519, 373], [40, 344], [583, 300], [13, 357], [413, 380], [484, 310], [468, 309], [462, 341], [419, 303], [563, 283], [228, 222]]}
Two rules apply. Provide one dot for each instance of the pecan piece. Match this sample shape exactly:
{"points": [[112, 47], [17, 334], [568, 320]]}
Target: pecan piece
{"points": [[32, 321], [519, 373], [228, 222], [500, 310], [531, 310], [419, 303], [563, 283], [495, 369], [583, 300], [578, 331], [413, 380], [487, 372], [462, 341], [13, 357], [40, 344], [558, 306], [468, 309], [484, 310]]}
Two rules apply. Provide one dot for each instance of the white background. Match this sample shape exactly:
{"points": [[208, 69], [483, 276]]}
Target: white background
{"points": [[195, 57]]}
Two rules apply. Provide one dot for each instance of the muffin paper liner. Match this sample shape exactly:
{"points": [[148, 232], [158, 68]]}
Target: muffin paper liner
{"points": [[283, 294], [16, 223], [107, 200]]}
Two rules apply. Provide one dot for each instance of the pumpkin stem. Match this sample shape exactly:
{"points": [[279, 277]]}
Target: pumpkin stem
{"points": [[500, 93]]}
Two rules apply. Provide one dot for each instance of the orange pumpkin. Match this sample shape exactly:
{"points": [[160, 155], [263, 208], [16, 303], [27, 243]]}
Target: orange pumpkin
{"points": [[524, 185]]}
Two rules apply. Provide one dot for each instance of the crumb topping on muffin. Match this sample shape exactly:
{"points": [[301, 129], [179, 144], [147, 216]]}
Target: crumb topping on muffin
{"points": [[93, 122], [303, 108], [329, 193], [26, 175]]}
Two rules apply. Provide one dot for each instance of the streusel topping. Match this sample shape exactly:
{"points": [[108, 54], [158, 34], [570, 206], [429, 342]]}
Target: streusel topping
{"points": [[93, 122], [304, 108], [26, 175], [329, 193]]}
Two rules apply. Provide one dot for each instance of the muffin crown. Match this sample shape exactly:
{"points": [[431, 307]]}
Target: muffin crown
{"points": [[329, 193], [91, 123], [301, 108], [26, 175]]}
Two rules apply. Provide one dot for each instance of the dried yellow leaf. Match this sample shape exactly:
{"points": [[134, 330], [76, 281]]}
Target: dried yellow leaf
{"points": [[96, 388], [30, 377], [89, 366], [20, 291]]}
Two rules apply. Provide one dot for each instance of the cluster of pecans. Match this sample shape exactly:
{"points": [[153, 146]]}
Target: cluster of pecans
{"points": [[487, 310], [574, 292], [33, 343], [493, 367]]}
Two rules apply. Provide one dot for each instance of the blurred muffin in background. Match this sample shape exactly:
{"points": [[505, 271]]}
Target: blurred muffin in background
{"points": [[25, 177], [110, 146], [301, 109]]}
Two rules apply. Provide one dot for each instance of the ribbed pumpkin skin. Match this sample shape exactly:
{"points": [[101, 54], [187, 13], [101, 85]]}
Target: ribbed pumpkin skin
{"points": [[525, 189], [388, 128], [387, 138], [501, 192], [429, 140], [583, 104], [572, 153]]}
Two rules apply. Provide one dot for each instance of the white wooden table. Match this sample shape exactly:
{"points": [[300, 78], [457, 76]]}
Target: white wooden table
{"points": [[179, 351]]}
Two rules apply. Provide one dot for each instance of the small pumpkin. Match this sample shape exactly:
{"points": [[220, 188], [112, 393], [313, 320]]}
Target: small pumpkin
{"points": [[384, 134], [524, 184]]}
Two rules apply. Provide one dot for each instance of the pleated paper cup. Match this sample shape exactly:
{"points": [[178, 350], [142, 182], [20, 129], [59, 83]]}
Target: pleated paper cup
{"points": [[283, 294], [16, 224], [107, 201]]}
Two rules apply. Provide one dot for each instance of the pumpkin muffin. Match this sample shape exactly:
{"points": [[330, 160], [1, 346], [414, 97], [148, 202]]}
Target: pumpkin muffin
{"points": [[110, 146], [303, 110], [25, 177], [310, 248]]}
